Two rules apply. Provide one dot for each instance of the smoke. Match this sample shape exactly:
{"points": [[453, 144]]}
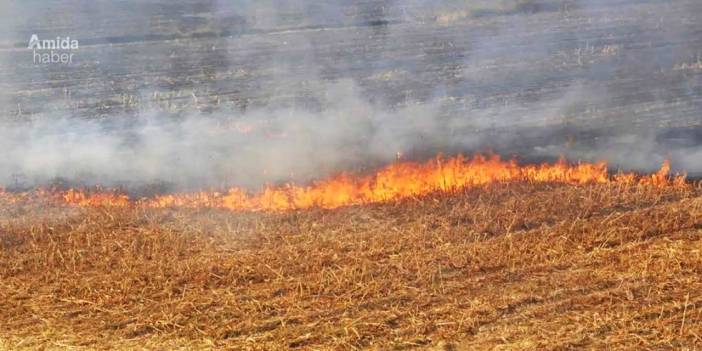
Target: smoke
{"points": [[214, 93], [266, 145]]}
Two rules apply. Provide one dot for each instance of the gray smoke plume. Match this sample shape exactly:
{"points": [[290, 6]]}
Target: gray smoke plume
{"points": [[266, 145], [200, 93]]}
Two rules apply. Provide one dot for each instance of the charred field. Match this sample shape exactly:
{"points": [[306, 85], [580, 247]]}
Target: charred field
{"points": [[505, 266], [275, 175]]}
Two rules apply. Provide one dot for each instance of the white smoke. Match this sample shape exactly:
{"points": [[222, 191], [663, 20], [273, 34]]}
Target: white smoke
{"points": [[307, 110], [265, 145]]}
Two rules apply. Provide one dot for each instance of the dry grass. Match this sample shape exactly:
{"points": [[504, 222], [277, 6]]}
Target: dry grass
{"points": [[509, 267]]}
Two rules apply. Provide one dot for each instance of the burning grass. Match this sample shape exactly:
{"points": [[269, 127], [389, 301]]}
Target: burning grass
{"points": [[394, 182], [514, 266]]}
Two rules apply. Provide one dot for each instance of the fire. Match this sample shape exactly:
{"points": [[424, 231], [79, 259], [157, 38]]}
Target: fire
{"points": [[393, 182], [81, 198]]}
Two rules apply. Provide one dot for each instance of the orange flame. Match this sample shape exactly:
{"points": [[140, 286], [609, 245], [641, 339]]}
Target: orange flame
{"points": [[396, 181]]}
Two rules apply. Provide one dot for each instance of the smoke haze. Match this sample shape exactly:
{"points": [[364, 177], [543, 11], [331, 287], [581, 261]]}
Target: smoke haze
{"points": [[215, 93]]}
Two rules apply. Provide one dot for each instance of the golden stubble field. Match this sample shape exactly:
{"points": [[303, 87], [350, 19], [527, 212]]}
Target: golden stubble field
{"points": [[505, 266]]}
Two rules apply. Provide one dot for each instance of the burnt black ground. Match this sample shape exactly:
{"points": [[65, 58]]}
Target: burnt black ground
{"points": [[530, 75]]}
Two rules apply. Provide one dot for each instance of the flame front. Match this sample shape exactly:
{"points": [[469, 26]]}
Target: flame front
{"points": [[396, 181]]}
